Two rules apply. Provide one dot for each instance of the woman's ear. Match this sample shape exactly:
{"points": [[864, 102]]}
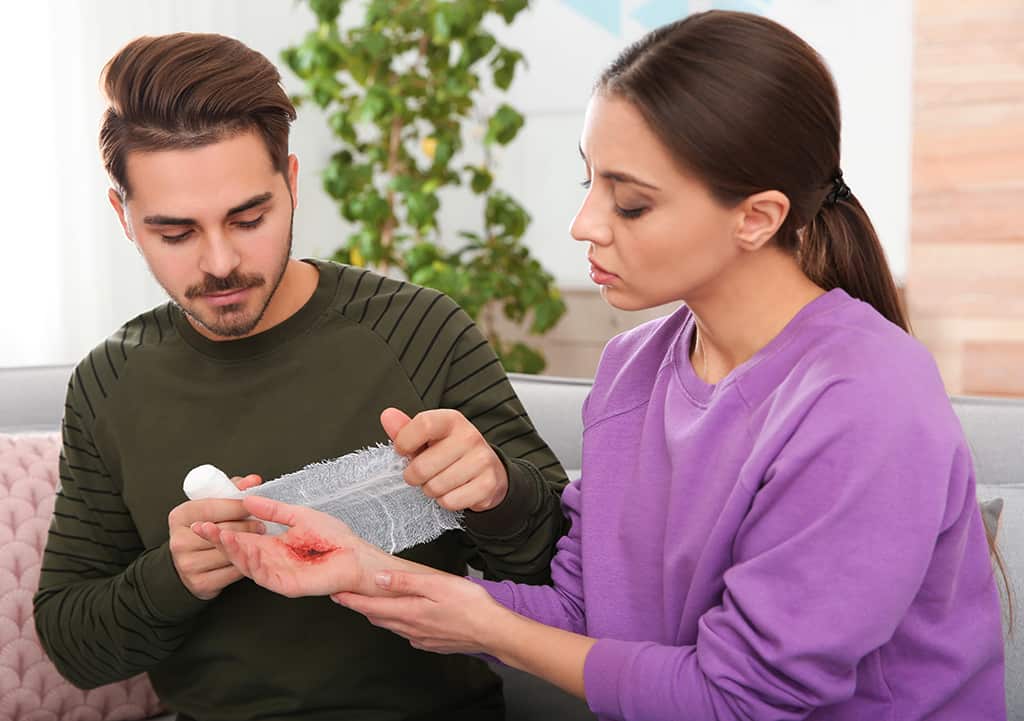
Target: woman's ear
{"points": [[762, 214]]}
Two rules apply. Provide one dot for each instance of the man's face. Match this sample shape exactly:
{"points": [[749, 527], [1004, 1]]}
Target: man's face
{"points": [[214, 225]]}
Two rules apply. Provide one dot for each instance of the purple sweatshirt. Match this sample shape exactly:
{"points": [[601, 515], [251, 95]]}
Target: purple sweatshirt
{"points": [[801, 541]]}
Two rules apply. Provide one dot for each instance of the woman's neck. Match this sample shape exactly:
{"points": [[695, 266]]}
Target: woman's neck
{"points": [[745, 309]]}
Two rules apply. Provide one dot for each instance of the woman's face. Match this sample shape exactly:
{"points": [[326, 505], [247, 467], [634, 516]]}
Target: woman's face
{"points": [[655, 233]]}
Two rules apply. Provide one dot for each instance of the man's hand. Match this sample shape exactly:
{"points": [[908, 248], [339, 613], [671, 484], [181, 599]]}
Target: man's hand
{"points": [[449, 459], [203, 568], [316, 556]]}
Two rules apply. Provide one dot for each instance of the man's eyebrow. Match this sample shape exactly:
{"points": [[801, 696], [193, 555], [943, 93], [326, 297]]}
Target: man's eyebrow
{"points": [[251, 203], [172, 220], [619, 177]]}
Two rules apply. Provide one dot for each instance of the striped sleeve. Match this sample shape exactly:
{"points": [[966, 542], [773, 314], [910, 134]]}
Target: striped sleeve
{"points": [[106, 608], [516, 540], [451, 365]]}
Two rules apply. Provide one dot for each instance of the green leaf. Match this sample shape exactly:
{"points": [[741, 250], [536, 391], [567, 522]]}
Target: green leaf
{"points": [[547, 314], [326, 10], [376, 45], [376, 103], [521, 358], [342, 126], [504, 125], [510, 8], [421, 255], [504, 67], [442, 25], [481, 180], [476, 47]]}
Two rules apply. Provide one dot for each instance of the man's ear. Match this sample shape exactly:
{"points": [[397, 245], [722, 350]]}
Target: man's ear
{"points": [[293, 179], [115, 201], [761, 216]]}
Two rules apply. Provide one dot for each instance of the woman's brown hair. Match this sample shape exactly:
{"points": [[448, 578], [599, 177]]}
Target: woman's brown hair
{"points": [[187, 90], [747, 106]]}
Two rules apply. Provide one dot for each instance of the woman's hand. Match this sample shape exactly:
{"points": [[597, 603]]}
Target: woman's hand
{"points": [[318, 555], [435, 611]]}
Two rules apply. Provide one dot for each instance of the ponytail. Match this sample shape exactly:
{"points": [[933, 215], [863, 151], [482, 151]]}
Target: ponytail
{"points": [[839, 248], [1000, 567]]}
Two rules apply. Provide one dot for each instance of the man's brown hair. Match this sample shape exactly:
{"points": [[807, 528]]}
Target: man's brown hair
{"points": [[187, 90]]}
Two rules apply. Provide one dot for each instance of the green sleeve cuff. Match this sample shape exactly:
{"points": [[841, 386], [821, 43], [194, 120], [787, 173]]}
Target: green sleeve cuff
{"points": [[166, 597], [511, 517]]}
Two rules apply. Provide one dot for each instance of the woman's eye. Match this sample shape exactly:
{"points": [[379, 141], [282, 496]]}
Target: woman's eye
{"points": [[630, 212], [622, 212]]}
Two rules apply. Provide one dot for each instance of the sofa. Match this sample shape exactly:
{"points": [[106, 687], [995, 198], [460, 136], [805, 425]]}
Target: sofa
{"points": [[31, 401]]}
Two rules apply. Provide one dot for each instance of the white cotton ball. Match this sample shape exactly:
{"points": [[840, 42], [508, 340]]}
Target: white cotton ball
{"points": [[208, 481]]}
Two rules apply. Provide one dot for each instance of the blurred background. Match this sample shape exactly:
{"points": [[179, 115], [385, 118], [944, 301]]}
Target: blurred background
{"points": [[932, 94]]}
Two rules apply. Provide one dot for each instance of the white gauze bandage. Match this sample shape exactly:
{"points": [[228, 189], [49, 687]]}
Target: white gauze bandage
{"points": [[365, 489]]}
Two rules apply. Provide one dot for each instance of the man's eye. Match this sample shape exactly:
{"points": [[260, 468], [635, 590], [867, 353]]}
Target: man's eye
{"points": [[248, 224], [585, 183], [176, 238]]}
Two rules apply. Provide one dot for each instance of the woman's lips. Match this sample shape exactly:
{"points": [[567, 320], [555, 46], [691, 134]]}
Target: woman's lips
{"points": [[601, 276]]}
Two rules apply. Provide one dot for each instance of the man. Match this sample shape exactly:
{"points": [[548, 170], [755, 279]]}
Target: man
{"points": [[262, 364]]}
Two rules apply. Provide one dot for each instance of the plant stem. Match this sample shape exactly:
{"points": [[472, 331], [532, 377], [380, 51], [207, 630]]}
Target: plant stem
{"points": [[387, 232]]}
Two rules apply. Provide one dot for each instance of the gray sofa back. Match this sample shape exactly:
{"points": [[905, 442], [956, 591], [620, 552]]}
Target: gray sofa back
{"points": [[32, 399]]}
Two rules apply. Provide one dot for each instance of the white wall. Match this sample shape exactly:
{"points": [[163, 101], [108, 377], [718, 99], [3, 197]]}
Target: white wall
{"points": [[69, 277], [868, 47]]}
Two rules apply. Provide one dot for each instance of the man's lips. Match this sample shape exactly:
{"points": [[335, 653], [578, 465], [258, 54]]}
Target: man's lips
{"points": [[229, 297]]}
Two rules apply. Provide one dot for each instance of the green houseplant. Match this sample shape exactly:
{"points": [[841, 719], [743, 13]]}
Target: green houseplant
{"points": [[398, 91]]}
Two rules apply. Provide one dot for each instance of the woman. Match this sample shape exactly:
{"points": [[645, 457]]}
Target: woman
{"points": [[776, 517]]}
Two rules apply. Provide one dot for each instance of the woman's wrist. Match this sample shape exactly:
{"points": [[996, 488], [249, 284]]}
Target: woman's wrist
{"points": [[495, 631]]}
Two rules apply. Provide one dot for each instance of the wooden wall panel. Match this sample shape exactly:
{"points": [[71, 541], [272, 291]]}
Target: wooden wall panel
{"points": [[965, 286]]}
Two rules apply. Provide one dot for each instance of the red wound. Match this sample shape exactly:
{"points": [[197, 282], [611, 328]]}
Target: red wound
{"points": [[310, 550]]}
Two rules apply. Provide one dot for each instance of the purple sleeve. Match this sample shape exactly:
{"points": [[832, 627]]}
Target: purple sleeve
{"points": [[832, 552], [561, 604]]}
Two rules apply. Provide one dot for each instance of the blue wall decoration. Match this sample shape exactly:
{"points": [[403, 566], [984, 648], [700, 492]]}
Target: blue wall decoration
{"points": [[652, 13]]}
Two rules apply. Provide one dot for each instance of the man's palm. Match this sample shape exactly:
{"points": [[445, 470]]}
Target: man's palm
{"points": [[317, 556]]}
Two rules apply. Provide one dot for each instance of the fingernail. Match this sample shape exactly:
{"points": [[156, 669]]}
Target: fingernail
{"points": [[383, 579]]}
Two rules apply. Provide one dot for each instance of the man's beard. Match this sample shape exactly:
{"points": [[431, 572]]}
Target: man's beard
{"points": [[228, 321]]}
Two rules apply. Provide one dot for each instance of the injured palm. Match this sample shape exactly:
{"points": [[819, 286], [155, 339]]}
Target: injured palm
{"points": [[364, 489]]}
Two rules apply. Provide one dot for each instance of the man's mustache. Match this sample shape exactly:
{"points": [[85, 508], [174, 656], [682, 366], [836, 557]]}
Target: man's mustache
{"points": [[234, 281]]}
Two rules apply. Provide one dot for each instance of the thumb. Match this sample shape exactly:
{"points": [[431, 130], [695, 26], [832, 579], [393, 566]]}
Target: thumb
{"points": [[268, 509], [393, 421], [405, 583]]}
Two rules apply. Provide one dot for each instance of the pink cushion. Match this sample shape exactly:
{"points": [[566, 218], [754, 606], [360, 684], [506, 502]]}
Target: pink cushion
{"points": [[30, 687]]}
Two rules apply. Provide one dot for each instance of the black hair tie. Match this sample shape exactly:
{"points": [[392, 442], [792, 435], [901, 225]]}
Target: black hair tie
{"points": [[839, 190]]}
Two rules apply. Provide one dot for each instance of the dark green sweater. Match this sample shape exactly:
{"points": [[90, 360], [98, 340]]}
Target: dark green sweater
{"points": [[157, 399]]}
